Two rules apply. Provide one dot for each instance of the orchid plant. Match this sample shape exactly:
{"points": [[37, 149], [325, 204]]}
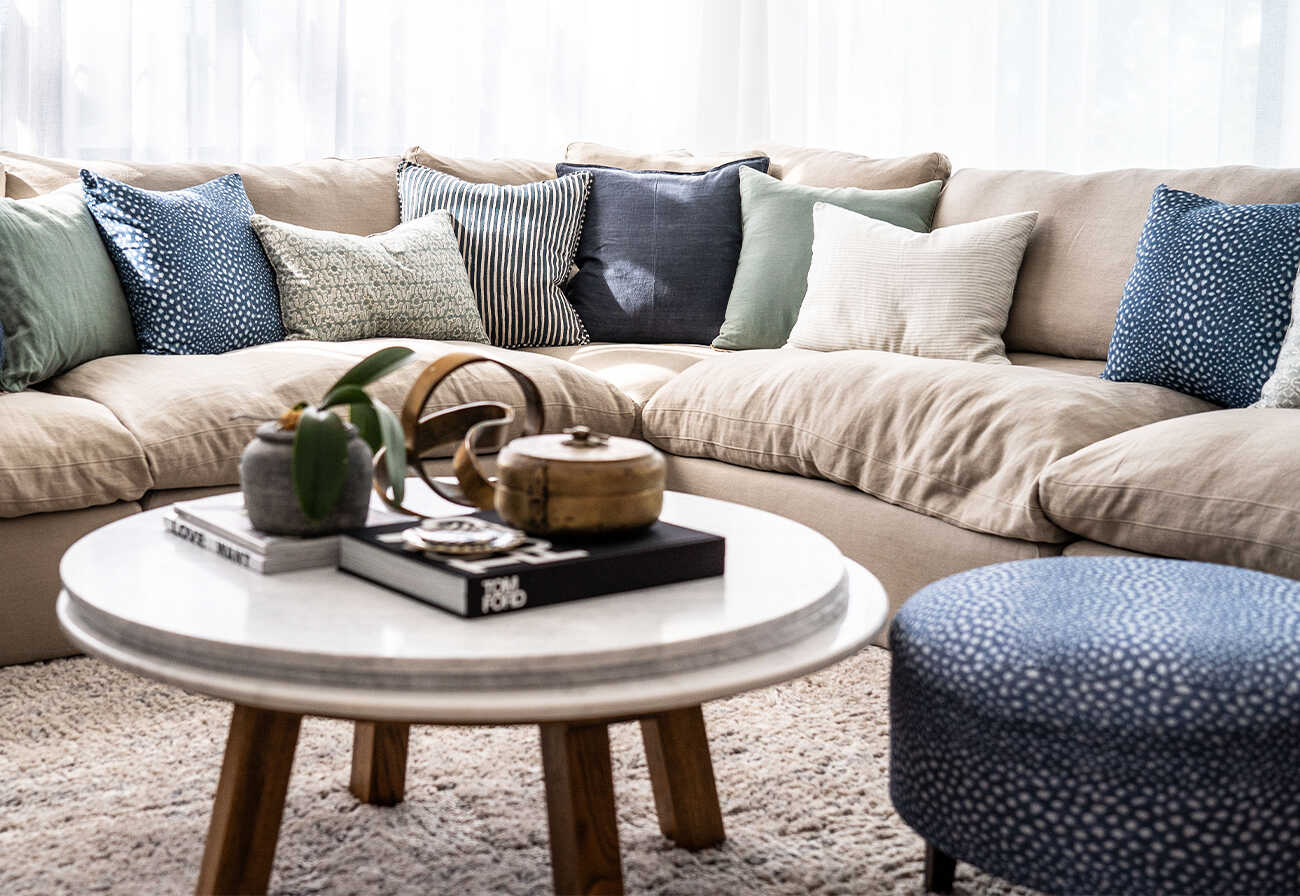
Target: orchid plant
{"points": [[320, 442]]}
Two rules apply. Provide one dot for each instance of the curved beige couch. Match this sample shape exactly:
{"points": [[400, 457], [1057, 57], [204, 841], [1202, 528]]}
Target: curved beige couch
{"points": [[914, 467]]}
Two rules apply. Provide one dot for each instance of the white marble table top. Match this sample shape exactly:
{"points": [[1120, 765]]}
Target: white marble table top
{"points": [[323, 642]]}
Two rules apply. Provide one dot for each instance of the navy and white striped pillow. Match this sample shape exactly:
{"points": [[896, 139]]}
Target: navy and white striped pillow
{"points": [[518, 243]]}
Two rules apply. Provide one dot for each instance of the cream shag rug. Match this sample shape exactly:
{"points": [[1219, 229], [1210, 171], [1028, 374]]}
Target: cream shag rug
{"points": [[106, 781]]}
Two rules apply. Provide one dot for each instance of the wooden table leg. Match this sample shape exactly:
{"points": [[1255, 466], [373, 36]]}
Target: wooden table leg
{"points": [[681, 774], [379, 762], [250, 800], [580, 808]]}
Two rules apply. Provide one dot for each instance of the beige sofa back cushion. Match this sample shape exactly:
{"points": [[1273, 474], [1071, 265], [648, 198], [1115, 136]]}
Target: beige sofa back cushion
{"points": [[63, 453], [796, 164], [959, 441], [503, 172], [680, 161], [1084, 246], [833, 168], [344, 195], [1217, 487]]}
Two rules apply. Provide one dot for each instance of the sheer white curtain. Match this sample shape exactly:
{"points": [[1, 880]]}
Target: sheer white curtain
{"points": [[1072, 84]]}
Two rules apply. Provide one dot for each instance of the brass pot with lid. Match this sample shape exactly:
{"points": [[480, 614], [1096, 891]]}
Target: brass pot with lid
{"points": [[580, 482]]}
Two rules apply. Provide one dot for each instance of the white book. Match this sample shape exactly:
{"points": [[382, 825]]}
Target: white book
{"points": [[210, 541], [220, 524]]}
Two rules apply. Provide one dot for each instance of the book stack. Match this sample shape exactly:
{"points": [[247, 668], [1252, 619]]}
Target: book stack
{"points": [[537, 573], [219, 524]]}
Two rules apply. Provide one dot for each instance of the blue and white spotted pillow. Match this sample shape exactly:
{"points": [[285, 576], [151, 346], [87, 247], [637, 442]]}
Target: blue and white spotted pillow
{"points": [[193, 271], [1209, 300]]}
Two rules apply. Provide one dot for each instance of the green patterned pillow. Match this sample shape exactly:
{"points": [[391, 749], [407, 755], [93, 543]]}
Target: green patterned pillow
{"points": [[406, 282]]}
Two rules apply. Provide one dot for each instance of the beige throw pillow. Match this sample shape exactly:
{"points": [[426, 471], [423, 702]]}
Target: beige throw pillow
{"points": [[944, 294]]}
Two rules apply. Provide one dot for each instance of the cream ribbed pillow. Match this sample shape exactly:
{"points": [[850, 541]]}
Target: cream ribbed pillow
{"points": [[943, 294]]}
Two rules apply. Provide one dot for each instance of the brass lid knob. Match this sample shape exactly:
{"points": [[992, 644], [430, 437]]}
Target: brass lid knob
{"points": [[583, 437]]}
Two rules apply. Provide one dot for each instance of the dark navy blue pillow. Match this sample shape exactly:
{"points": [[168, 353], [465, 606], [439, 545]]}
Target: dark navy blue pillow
{"points": [[194, 273], [658, 252], [1209, 299]]}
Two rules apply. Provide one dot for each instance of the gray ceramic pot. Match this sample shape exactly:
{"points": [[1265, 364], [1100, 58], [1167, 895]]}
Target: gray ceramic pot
{"points": [[267, 482]]}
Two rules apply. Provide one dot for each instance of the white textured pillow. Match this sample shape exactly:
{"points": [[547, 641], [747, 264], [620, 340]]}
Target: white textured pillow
{"points": [[944, 294], [1282, 389]]}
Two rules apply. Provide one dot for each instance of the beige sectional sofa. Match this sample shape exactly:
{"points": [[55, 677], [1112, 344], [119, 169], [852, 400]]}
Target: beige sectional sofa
{"points": [[917, 468]]}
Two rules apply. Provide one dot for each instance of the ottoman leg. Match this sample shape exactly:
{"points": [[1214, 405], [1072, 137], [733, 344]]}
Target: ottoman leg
{"points": [[940, 868]]}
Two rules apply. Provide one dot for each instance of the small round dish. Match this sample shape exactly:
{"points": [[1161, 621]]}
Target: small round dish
{"points": [[462, 537]]}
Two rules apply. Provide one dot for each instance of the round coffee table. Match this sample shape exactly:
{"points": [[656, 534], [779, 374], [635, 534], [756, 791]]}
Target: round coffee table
{"points": [[321, 642]]}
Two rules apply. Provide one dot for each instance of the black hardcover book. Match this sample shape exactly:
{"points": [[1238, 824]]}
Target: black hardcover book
{"points": [[539, 572]]}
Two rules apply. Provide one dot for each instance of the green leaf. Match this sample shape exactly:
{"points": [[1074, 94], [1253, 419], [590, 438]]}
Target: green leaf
{"points": [[344, 395], [395, 442], [320, 462], [380, 364], [366, 421]]}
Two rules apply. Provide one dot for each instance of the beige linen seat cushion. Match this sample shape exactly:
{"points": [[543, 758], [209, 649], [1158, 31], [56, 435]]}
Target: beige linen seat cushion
{"points": [[1076, 366], [638, 371], [193, 414], [1218, 487], [64, 453], [960, 441], [345, 195]]}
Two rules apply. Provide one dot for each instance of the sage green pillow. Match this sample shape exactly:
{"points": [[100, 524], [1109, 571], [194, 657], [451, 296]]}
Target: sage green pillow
{"points": [[776, 250], [60, 301]]}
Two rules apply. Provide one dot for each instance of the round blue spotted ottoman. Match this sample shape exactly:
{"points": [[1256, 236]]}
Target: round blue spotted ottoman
{"points": [[1102, 725]]}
